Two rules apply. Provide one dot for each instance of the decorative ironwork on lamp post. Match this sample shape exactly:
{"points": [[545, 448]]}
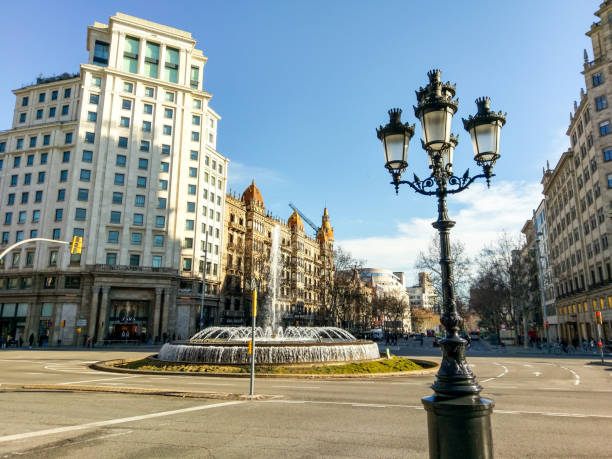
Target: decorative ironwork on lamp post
{"points": [[458, 419]]}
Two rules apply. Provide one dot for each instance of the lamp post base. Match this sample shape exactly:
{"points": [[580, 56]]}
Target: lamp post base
{"points": [[459, 427]]}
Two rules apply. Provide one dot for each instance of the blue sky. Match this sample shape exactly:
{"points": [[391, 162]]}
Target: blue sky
{"points": [[301, 87]]}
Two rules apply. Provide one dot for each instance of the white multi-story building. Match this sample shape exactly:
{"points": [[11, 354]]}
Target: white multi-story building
{"points": [[390, 284], [122, 153], [423, 295]]}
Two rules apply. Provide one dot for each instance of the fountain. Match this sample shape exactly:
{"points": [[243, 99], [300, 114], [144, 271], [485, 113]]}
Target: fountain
{"points": [[273, 344]]}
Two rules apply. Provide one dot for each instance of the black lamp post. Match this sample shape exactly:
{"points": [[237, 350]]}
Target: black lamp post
{"points": [[459, 423]]}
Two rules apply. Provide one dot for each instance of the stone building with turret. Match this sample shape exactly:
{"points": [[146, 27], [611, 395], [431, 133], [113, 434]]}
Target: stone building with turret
{"points": [[305, 264]]}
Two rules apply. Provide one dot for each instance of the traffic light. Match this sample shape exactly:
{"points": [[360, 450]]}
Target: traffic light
{"points": [[77, 245], [546, 324], [598, 318]]}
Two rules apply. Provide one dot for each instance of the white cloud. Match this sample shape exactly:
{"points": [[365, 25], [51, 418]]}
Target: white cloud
{"points": [[240, 175], [481, 215]]}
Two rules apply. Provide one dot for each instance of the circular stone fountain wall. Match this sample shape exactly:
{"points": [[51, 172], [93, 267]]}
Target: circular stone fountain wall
{"points": [[229, 345]]}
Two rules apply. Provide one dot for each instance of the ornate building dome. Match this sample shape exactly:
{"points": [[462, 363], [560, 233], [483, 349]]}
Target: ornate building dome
{"points": [[294, 221], [252, 192], [326, 232]]}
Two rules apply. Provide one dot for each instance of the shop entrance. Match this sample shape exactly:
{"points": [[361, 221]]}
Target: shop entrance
{"points": [[128, 320]]}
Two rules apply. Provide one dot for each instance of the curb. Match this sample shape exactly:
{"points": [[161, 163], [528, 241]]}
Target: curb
{"points": [[108, 366], [135, 391]]}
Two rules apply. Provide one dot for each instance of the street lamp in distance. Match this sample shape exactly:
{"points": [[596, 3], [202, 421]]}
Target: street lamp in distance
{"points": [[459, 423]]}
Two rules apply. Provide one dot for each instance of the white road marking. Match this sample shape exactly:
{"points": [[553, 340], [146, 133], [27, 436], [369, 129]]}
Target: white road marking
{"points": [[502, 374], [110, 422], [527, 365], [34, 373], [537, 373], [209, 384], [576, 377], [496, 411], [95, 380]]}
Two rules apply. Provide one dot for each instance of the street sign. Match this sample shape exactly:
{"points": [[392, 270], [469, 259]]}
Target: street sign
{"points": [[81, 323]]}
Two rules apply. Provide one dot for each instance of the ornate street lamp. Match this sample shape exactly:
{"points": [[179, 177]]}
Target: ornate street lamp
{"points": [[459, 423]]}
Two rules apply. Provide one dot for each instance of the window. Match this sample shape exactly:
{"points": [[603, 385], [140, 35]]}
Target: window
{"points": [[33, 142], [5, 237], [607, 154], [52, 111], [113, 237], [126, 104], [83, 194], [85, 175], [149, 92], [189, 225], [22, 217], [16, 161], [140, 200], [195, 119], [141, 182], [138, 219], [601, 103], [29, 258], [124, 122], [80, 214], [151, 65], [193, 154], [165, 149], [188, 243], [168, 113], [145, 145], [193, 172], [123, 142], [39, 115], [14, 179], [161, 203], [171, 65], [96, 81], [604, 128], [33, 234], [160, 221], [146, 126], [134, 259], [63, 175], [130, 54], [41, 177], [186, 264], [163, 184], [2, 147], [115, 217], [148, 109], [87, 156], [90, 137], [143, 163], [67, 140], [11, 199], [66, 157], [190, 206], [167, 130], [24, 101], [16, 260], [137, 238], [158, 240], [195, 136], [211, 138], [61, 195], [41, 97], [29, 160], [94, 99], [59, 215], [121, 160], [92, 116], [157, 261], [117, 197], [164, 167], [111, 258], [1, 163], [57, 234], [194, 77], [65, 109], [35, 216], [119, 179], [67, 92], [27, 179], [128, 87]]}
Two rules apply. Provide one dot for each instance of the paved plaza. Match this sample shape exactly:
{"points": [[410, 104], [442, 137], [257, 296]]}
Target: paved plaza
{"points": [[546, 406]]}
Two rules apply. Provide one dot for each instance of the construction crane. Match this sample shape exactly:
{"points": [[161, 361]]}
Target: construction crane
{"points": [[305, 218]]}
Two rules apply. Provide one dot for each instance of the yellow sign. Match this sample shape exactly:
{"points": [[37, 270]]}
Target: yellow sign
{"points": [[250, 346], [254, 303], [76, 246]]}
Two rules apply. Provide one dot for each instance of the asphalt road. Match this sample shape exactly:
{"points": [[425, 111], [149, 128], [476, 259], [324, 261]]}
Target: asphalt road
{"points": [[545, 407]]}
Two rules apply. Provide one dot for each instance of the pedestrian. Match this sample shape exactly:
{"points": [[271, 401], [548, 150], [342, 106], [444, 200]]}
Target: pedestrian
{"points": [[20, 341], [31, 340]]}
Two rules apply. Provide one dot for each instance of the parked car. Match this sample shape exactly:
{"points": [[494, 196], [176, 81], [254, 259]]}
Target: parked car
{"points": [[475, 336]]}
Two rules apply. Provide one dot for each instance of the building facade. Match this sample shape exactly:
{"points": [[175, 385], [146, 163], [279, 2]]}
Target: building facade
{"points": [[423, 295], [305, 265], [578, 194], [123, 154], [386, 283]]}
